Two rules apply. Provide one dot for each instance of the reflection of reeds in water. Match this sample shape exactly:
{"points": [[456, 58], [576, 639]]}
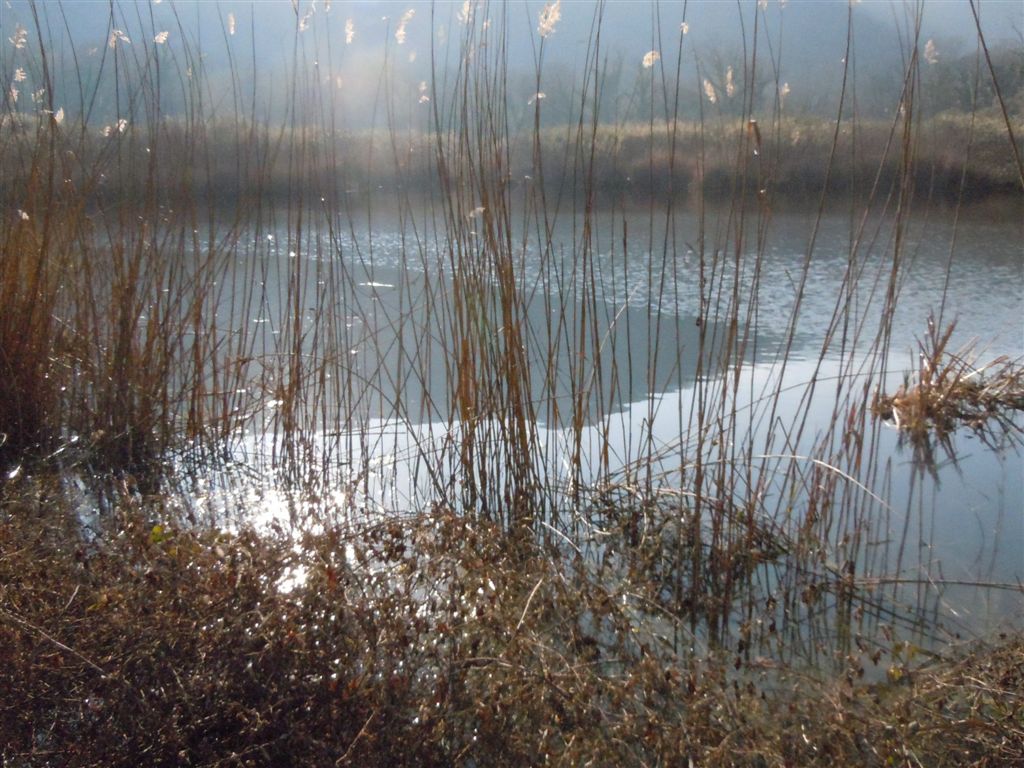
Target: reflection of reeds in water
{"points": [[189, 323]]}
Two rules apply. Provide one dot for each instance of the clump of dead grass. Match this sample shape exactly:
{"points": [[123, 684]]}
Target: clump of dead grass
{"points": [[426, 640], [951, 389]]}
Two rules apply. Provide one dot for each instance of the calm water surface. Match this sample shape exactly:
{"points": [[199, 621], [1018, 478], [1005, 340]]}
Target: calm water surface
{"points": [[959, 521]]}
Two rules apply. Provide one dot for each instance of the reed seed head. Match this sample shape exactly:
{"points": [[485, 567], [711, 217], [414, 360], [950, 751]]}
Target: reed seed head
{"points": [[20, 37], [117, 36], [402, 24], [549, 16], [709, 91]]}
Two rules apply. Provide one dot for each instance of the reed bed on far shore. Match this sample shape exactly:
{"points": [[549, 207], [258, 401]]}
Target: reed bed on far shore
{"points": [[229, 163]]}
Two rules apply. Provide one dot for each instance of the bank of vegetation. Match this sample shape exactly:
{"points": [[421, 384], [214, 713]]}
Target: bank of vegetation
{"points": [[792, 162], [430, 640], [187, 304]]}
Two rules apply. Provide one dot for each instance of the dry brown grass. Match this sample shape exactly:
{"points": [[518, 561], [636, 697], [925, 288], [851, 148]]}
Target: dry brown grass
{"points": [[484, 627], [227, 164], [432, 640], [952, 389]]}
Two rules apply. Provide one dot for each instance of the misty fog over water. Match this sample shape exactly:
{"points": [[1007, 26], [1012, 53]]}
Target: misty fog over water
{"points": [[371, 60]]}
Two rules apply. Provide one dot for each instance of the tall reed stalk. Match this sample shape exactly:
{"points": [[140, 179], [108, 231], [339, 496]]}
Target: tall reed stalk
{"points": [[187, 282]]}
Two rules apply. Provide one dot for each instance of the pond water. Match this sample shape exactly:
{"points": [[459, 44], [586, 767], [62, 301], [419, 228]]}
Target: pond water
{"points": [[642, 335]]}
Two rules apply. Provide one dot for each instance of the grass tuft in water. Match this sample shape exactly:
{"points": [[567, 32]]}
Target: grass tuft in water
{"points": [[952, 389]]}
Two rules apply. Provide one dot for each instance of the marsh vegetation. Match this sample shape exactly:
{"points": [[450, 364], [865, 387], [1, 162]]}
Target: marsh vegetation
{"points": [[469, 435]]}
